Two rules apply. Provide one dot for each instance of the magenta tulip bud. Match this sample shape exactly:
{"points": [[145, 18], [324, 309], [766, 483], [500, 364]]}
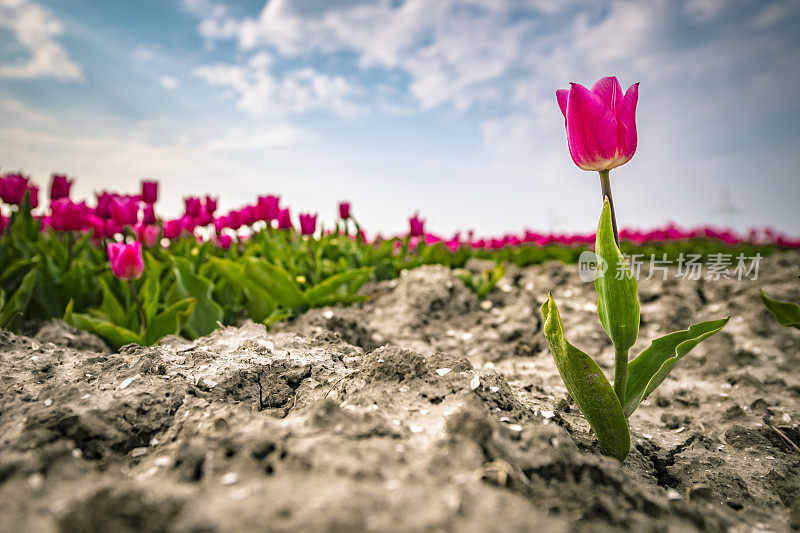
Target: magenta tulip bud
{"points": [[192, 206], [225, 241], [248, 215], [416, 226], [124, 210], [173, 228], [600, 122], [148, 214], [59, 187], [126, 259], [284, 219], [3, 220], [14, 187], [148, 234], [210, 205], [268, 207], [308, 223], [221, 223], [344, 210], [68, 216], [33, 196], [103, 208], [149, 192], [98, 226]]}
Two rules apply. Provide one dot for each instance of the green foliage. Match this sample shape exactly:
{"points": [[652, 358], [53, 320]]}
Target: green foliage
{"points": [[787, 313], [483, 283], [651, 367], [617, 299], [607, 408], [588, 386]]}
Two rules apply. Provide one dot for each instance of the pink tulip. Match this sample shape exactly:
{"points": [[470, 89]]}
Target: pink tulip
{"points": [[126, 259], [268, 208], [149, 192], [284, 219], [14, 187], [192, 206], [68, 216], [210, 205], [344, 210], [59, 187], [308, 223], [147, 233], [124, 210], [416, 226], [600, 122], [173, 228], [224, 241]]}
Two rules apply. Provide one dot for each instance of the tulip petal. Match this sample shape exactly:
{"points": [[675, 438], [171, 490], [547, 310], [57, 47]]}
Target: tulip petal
{"points": [[591, 129], [562, 95], [627, 123], [610, 91]]}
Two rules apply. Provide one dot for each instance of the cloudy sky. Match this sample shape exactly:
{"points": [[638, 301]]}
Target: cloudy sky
{"points": [[442, 106]]}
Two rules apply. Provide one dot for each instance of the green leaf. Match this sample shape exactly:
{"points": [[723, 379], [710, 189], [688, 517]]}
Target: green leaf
{"points": [[207, 312], [17, 304], [170, 321], [258, 302], [338, 286], [588, 386], [278, 283], [113, 334], [787, 313], [652, 366], [112, 308], [617, 300]]}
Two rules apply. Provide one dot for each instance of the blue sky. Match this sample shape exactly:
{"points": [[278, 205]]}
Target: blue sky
{"points": [[446, 107]]}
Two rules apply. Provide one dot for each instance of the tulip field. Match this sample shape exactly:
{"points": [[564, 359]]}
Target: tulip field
{"points": [[262, 369]]}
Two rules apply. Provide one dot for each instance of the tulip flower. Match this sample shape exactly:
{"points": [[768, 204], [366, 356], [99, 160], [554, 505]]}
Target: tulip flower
{"points": [[124, 210], [210, 205], [59, 187], [173, 228], [149, 192], [601, 128], [148, 214], [33, 196], [284, 219], [147, 233], [416, 226], [344, 210], [14, 188], [126, 259], [308, 223], [268, 208], [68, 216], [224, 241], [103, 208], [192, 206]]}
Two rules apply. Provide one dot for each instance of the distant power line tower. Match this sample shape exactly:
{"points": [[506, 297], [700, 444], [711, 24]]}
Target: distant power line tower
{"points": [[726, 210]]}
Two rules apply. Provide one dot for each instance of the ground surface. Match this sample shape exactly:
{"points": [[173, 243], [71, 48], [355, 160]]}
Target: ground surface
{"points": [[423, 409]]}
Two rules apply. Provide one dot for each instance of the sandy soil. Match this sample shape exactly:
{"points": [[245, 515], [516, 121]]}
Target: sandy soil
{"points": [[422, 409]]}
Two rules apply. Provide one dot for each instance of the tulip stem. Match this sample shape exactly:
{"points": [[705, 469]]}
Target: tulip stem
{"points": [[605, 185], [135, 296]]}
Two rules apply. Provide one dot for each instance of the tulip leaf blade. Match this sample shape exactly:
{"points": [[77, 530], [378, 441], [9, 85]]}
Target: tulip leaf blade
{"points": [[114, 334], [340, 286], [617, 298], [17, 303], [187, 284], [278, 283], [649, 369], [169, 321], [588, 386], [787, 313]]}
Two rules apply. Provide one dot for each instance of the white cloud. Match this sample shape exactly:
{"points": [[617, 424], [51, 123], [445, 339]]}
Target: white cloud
{"points": [[143, 54], [244, 140], [258, 91], [35, 29], [169, 82]]}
